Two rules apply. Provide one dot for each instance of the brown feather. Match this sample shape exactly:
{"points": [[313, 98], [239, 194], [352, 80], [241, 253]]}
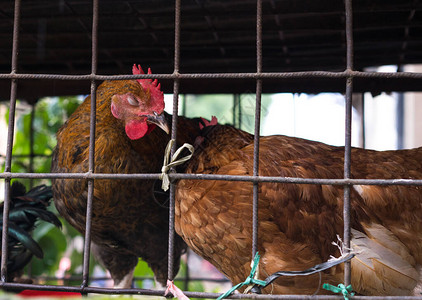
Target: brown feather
{"points": [[299, 222]]}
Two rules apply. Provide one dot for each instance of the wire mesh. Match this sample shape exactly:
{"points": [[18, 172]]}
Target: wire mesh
{"points": [[174, 133], [348, 139], [91, 157], [348, 75], [257, 128]]}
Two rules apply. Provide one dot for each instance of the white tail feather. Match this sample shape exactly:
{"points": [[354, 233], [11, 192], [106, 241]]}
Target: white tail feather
{"points": [[386, 238], [379, 268]]}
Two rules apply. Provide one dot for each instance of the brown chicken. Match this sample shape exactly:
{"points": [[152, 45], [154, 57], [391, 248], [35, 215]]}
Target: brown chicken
{"points": [[299, 222], [128, 220]]}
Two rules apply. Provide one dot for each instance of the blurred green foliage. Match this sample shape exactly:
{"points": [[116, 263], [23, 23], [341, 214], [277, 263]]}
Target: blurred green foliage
{"points": [[36, 127], [39, 123], [237, 110]]}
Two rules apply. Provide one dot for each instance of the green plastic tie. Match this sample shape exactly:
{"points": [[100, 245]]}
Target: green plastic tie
{"points": [[249, 280], [341, 288]]}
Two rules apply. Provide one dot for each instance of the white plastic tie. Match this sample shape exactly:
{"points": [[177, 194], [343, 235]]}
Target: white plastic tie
{"points": [[173, 161]]}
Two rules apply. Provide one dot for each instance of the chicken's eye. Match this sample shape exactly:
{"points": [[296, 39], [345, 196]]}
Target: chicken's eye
{"points": [[132, 101]]}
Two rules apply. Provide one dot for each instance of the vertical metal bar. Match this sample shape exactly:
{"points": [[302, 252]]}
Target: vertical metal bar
{"points": [[16, 28], [349, 34], [400, 116], [91, 159], [172, 195], [259, 36], [174, 133], [348, 139], [347, 167], [400, 120], [177, 36], [257, 127], [9, 145]]}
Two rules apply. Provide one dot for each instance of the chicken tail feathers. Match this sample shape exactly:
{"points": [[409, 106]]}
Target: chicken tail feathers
{"points": [[23, 237], [377, 269], [25, 210], [40, 193]]}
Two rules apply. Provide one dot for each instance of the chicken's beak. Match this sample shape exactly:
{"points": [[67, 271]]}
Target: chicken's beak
{"points": [[160, 121]]}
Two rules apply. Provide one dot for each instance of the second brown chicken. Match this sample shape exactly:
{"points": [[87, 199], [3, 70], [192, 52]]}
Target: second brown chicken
{"points": [[299, 222]]}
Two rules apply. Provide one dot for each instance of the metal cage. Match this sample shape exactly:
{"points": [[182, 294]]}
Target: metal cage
{"points": [[346, 77]]}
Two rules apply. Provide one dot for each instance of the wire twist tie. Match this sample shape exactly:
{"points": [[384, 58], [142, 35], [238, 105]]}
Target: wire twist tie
{"points": [[173, 161], [341, 288], [249, 280]]}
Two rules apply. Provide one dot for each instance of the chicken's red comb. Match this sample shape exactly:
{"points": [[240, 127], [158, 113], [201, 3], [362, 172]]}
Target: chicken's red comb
{"points": [[152, 86], [208, 123]]}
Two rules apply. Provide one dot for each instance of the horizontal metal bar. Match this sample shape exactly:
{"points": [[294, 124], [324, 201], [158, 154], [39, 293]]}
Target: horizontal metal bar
{"points": [[80, 289], [176, 176], [78, 175], [261, 75], [298, 180], [148, 292]]}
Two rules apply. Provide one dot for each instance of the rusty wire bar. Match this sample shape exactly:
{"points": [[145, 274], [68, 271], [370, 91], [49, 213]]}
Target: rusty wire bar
{"points": [[9, 145], [176, 176], [146, 292], [177, 9], [91, 158], [263, 75], [172, 186], [348, 139], [257, 127]]}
